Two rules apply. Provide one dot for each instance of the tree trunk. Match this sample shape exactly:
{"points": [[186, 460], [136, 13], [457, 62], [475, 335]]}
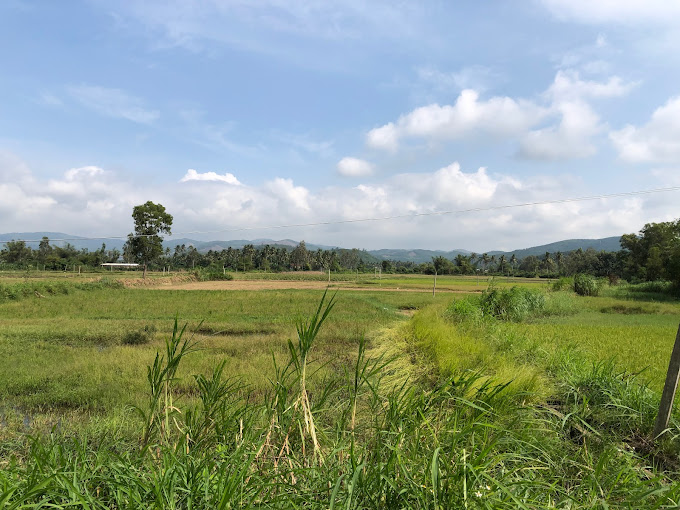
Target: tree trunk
{"points": [[144, 274]]}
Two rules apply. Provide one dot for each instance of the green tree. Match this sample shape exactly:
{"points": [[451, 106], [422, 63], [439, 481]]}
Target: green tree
{"points": [[44, 249], [146, 244], [502, 264], [16, 252], [299, 257]]}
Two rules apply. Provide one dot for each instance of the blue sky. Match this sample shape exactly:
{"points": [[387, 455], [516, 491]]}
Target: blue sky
{"points": [[247, 114]]}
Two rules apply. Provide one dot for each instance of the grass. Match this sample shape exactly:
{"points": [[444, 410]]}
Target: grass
{"points": [[399, 400], [71, 357]]}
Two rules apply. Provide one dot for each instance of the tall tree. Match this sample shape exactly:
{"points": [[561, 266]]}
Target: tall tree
{"points": [[44, 249], [299, 257], [513, 263], [146, 244]]}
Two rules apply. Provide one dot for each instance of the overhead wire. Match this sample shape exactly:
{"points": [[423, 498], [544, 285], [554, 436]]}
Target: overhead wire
{"points": [[380, 218]]}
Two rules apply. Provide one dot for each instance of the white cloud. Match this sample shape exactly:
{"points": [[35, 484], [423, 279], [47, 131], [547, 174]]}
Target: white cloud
{"points": [[93, 201], [468, 117], [354, 167], [288, 194], [193, 175], [657, 141], [629, 12], [571, 121], [568, 85], [113, 102], [569, 139], [384, 137]]}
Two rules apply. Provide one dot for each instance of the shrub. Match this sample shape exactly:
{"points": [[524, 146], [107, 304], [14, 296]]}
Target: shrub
{"points": [[141, 336], [563, 283], [515, 304], [586, 285], [462, 309]]}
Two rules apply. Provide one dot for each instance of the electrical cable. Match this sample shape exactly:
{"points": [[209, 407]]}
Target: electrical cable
{"points": [[383, 218]]}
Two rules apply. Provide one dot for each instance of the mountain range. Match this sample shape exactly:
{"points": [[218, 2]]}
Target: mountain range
{"points": [[414, 255]]}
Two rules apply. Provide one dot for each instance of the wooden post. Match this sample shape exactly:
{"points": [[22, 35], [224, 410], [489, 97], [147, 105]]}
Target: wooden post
{"points": [[434, 285], [668, 395]]}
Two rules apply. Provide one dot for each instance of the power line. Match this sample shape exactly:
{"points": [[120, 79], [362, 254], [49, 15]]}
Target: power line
{"points": [[382, 218]]}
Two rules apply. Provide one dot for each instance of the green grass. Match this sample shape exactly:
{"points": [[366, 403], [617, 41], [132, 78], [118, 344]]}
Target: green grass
{"points": [[69, 356], [447, 408], [456, 435]]}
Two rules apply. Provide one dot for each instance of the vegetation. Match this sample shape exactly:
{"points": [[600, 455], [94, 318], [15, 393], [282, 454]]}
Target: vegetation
{"points": [[651, 255], [454, 408], [146, 244]]}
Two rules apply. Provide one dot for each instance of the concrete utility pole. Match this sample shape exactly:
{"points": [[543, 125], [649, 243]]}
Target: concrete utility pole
{"points": [[669, 389]]}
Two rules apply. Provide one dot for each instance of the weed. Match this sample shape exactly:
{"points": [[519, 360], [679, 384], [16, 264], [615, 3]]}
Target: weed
{"points": [[140, 336]]}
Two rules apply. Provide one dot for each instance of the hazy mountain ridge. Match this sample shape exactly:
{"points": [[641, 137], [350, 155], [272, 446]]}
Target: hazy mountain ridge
{"points": [[413, 255]]}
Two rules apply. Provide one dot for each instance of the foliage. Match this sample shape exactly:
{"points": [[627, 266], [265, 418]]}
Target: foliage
{"points": [[586, 285], [146, 244], [212, 274], [514, 304], [564, 283], [463, 440], [654, 253]]}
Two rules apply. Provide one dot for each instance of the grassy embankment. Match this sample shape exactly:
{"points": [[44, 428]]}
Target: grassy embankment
{"points": [[563, 432]]}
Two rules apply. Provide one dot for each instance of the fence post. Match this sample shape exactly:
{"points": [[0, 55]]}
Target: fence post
{"points": [[669, 388]]}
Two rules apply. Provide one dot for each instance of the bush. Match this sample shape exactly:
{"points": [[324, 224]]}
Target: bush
{"points": [[515, 304], [586, 285], [141, 336], [462, 309], [563, 283]]}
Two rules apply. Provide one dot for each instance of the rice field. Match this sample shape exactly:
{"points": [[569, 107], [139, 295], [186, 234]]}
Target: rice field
{"points": [[409, 399]]}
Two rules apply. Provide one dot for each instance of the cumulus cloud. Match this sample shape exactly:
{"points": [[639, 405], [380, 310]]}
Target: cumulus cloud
{"points": [[657, 141], [113, 102], [193, 175], [354, 167], [288, 194], [568, 85], [94, 201], [571, 138], [468, 117], [559, 124]]}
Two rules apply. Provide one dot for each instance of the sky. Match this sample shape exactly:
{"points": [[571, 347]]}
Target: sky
{"points": [[243, 115]]}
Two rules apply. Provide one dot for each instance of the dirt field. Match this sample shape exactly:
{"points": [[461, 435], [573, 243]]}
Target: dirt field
{"points": [[283, 284]]}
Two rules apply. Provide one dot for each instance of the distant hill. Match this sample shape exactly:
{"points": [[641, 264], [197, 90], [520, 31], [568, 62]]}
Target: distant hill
{"points": [[605, 244], [54, 237], [416, 256], [94, 244]]}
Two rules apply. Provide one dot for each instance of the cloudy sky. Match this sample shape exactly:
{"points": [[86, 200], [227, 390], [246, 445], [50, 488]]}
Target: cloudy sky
{"points": [[241, 114]]}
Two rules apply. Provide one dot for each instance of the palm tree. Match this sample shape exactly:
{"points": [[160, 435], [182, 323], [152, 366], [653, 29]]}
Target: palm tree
{"points": [[502, 263]]}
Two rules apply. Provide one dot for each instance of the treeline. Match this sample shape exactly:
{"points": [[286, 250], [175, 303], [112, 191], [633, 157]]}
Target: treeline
{"points": [[18, 255], [652, 254]]}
